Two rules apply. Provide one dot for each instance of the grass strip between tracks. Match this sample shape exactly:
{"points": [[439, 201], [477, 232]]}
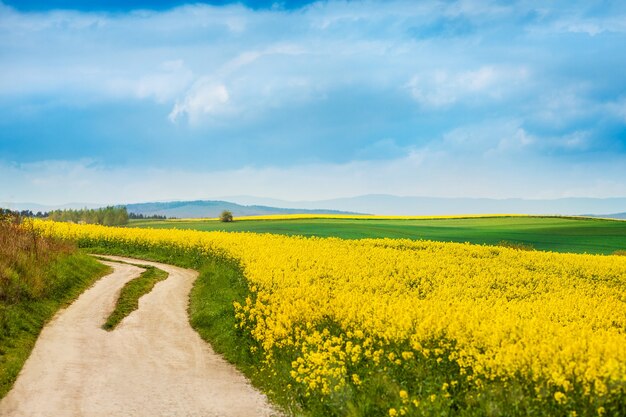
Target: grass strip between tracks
{"points": [[211, 314], [130, 294]]}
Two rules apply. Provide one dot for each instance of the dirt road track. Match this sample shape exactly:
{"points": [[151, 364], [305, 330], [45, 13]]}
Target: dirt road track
{"points": [[152, 364]]}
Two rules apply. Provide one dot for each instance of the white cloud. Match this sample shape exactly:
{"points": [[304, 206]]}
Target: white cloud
{"points": [[617, 108], [421, 173], [509, 139], [514, 142], [591, 26], [205, 97], [559, 106], [174, 65], [477, 8], [163, 85], [491, 138], [577, 140], [444, 88]]}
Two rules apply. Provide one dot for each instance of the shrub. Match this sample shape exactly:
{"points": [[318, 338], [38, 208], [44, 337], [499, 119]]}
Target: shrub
{"points": [[226, 216]]}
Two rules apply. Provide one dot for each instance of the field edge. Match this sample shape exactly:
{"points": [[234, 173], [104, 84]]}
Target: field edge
{"points": [[23, 322]]}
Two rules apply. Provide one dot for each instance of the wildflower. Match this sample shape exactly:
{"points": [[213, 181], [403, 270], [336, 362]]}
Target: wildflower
{"points": [[560, 397]]}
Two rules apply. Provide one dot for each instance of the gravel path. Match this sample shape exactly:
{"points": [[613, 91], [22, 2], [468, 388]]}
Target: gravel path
{"points": [[152, 364]]}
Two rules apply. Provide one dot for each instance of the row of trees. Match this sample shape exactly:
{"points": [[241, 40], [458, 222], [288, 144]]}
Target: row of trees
{"points": [[140, 216], [24, 213], [9, 216], [108, 216]]}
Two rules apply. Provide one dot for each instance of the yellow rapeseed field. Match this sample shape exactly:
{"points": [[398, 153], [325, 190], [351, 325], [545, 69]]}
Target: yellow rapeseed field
{"points": [[556, 320]]}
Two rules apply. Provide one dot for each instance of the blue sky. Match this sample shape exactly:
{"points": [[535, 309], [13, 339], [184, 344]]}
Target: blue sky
{"points": [[157, 100], [125, 5]]}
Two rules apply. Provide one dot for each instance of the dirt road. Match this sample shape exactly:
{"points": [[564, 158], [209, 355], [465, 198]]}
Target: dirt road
{"points": [[152, 364]]}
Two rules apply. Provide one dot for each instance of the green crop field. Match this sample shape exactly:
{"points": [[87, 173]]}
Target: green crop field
{"points": [[543, 233]]}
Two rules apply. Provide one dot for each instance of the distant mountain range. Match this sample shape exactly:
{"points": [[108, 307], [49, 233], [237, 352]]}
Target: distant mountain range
{"points": [[395, 205], [369, 204], [35, 207], [619, 216], [213, 208]]}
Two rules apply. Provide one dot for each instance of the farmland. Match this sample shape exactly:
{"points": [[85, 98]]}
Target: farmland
{"points": [[398, 326], [313, 208], [579, 235]]}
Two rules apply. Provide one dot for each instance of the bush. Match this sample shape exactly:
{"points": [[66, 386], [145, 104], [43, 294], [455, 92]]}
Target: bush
{"points": [[226, 216]]}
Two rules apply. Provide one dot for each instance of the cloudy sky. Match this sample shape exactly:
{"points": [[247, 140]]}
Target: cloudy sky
{"points": [[156, 100]]}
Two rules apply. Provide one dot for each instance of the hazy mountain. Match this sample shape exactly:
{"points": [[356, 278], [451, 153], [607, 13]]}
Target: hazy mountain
{"points": [[35, 207], [619, 216], [213, 208], [373, 204], [389, 204]]}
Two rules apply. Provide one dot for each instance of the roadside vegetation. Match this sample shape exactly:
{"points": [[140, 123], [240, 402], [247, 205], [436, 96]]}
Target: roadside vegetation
{"points": [[38, 275], [329, 327], [128, 301]]}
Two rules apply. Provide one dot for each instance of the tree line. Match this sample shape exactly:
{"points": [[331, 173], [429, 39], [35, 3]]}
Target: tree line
{"points": [[139, 216], [23, 213], [108, 216]]}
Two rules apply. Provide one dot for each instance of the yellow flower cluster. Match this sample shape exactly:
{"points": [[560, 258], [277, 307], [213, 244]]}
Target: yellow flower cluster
{"points": [[556, 319]]}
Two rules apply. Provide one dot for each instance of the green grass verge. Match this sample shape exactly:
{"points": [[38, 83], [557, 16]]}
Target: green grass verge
{"points": [[559, 234], [128, 301], [21, 323]]}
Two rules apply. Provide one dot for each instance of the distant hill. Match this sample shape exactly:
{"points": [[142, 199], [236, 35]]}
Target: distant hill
{"points": [[370, 204], [619, 216], [213, 208], [397, 205], [35, 207]]}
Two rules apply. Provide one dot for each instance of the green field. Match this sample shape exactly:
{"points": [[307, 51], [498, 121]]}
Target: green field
{"points": [[543, 233]]}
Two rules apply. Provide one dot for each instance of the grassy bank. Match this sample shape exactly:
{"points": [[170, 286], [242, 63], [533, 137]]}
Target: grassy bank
{"points": [[128, 301], [37, 277], [577, 235]]}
